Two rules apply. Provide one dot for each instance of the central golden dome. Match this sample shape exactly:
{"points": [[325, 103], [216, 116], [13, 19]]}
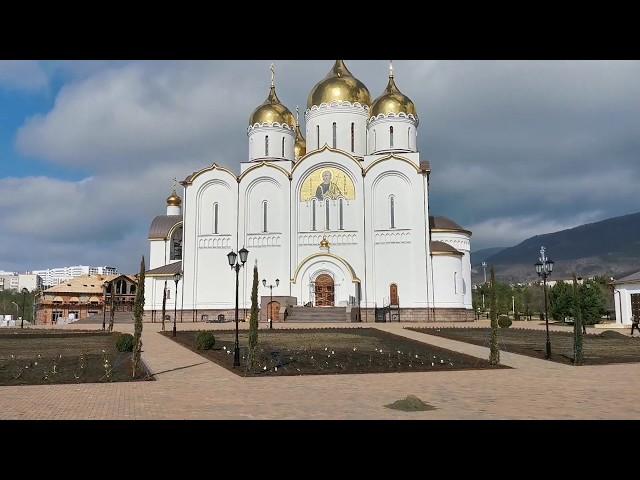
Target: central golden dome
{"points": [[392, 100], [339, 85], [272, 111]]}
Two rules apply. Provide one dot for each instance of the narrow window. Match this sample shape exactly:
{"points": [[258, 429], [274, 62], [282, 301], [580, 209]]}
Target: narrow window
{"points": [[326, 215], [282, 147], [455, 282], [264, 216], [409, 138], [341, 214], [392, 208], [374, 141], [313, 215], [266, 146], [168, 294], [353, 137], [215, 218], [334, 135], [391, 137], [318, 135]]}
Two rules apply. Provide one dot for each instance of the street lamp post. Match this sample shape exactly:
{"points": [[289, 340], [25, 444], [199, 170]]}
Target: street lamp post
{"points": [[105, 285], [544, 267], [17, 309], [24, 299], [235, 265], [264, 284], [176, 278]]}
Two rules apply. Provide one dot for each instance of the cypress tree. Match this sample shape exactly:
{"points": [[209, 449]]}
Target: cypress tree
{"points": [[164, 303], [113, 304], [577, 324], [138, 312], [253, 322], [494, 354]]}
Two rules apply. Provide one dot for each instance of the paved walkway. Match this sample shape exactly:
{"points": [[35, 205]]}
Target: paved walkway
{"points": [[190, 387]]}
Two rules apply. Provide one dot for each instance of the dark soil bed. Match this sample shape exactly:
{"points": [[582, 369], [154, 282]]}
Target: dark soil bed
{"points": [[41, 357], [331, 351], [598, 349]]}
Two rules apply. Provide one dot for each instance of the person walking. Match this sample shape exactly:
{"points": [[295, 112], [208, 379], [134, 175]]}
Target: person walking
{"points": [[634, 325]]}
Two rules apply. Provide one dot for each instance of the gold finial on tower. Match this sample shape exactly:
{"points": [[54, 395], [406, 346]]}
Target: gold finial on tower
{"points": [[273, 74], [297, 115], [390, 68]]}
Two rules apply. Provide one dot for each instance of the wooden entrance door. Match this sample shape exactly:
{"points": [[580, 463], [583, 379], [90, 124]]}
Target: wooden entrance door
{"points": [[273, 311], [635, 305], [393, 295], [324, 291]]}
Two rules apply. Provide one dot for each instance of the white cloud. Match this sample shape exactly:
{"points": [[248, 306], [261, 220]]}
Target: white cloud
{"points": [[22, 75]]}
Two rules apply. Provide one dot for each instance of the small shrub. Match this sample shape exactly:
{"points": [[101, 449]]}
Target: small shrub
{"points": [[504, 321], [124, 343], [205, 341]]}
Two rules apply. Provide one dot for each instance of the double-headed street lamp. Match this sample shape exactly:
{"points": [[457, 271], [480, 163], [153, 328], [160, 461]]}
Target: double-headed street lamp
{"points": [[233, 263], [176, 278], [264, 284], [544, 267]]}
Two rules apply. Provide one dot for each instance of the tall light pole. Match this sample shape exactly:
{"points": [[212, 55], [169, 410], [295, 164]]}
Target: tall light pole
{"points": [[235, 265], [544, 267], [484, 268], [105, 285], [264, 284], [176, 278], [24, 299]]}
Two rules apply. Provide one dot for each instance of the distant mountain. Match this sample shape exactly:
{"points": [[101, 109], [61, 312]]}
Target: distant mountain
{"points": [[610, 247], [480, 256]]}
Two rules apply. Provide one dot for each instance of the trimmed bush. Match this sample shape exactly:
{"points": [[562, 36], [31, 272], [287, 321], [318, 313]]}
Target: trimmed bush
{"points": [[205, 341], [124, 343], [504, 321]]}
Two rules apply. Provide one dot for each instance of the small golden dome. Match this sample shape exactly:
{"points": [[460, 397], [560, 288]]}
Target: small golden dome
{"points": [[174, 200], [339, 85], [300, 147], [324, 243], [392, 100], [272, 111]]}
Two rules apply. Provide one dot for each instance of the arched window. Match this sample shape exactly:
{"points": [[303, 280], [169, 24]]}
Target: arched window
{"points": [[391, 137], [334, 135], [215, 217], [392, 211], [318, 135], [283, 147], [313, 214], [264, 216], [132, 289], [266, 146], [409, 138], [455, 282], [374, 141], [326, 214], [341, 214], [353, 137]]}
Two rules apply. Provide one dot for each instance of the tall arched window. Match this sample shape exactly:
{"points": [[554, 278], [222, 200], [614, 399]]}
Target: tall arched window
{"points": [[335, 141], [392, 211], [318, 135], [326, 214], [313, 214], [391, 137], [215, 217], [374, 141], [266, 146], [341, 214], [283, 147], [455, 282], [353, 137], [264, 216], [409, 138]]}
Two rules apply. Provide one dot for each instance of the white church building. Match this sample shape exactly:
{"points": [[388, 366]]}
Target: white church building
{"points": [[340, 216]]}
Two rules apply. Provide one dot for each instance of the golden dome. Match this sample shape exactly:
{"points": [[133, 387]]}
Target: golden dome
{"points": [[300, 147], [392, 100], [174, 200], [339, 85], [272, 111]]}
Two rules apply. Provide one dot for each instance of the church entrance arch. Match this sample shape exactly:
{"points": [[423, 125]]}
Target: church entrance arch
{"points": [[324, 291]]}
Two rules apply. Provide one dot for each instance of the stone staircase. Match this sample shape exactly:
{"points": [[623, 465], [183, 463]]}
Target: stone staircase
{"points": [[318, 315]]}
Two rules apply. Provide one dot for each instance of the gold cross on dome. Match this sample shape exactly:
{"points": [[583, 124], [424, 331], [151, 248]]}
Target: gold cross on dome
{"points": [[175, 183], [273, 74], [390, 68]]}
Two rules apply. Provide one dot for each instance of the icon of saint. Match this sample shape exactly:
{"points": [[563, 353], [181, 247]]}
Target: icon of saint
{"points": [[328, 188]]}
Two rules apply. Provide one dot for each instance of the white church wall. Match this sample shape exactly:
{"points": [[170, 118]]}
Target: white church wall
{"points": [[447, 285], [258, 143], [461, 242], [157, 253], [622, 300], [380, 138], [320, 120]]}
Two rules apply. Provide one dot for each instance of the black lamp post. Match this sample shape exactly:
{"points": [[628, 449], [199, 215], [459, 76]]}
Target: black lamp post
{"points": [[264, 284], [544, 267], [176, 278], [235, 265], [105, 285], [24, 299]]}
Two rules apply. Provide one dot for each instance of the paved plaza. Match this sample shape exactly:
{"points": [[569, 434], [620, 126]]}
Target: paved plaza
{"points": [[188, 386]]}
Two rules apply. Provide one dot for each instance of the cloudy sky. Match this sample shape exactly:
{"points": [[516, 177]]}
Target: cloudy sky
{"points": [[517, 148]]}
